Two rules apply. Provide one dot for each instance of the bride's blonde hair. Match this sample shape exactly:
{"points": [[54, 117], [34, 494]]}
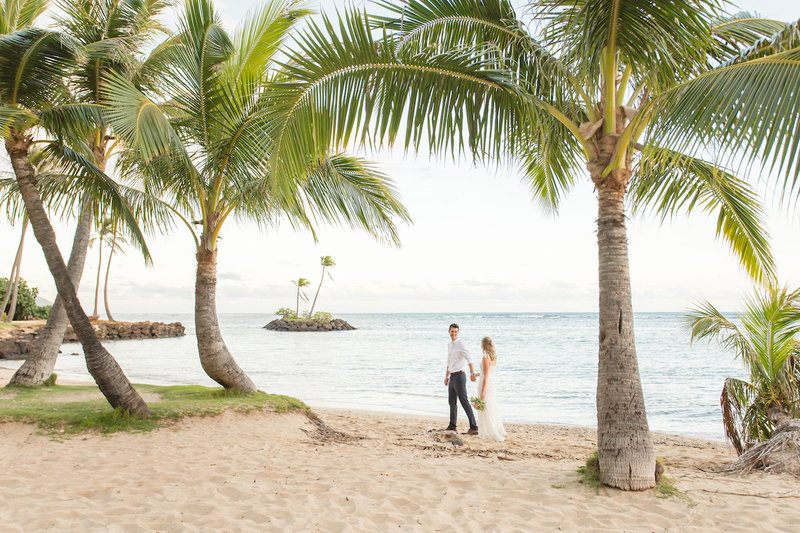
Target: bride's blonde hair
{"points": [[487, 345]]}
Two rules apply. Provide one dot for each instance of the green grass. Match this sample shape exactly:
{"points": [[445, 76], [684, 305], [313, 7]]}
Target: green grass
{"points": [[73, 409], [590, 473]]}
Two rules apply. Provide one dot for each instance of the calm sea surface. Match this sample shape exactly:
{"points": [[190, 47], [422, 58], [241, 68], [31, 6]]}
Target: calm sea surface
{"points": [[547, 364]]}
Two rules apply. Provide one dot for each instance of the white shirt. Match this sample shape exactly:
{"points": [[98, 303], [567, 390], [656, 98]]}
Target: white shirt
{"points": [[457, 356]]}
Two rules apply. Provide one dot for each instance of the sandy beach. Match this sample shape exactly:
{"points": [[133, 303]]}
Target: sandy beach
{"points": [[372, 472]]}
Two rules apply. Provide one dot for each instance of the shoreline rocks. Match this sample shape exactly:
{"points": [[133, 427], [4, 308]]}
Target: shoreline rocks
{"points": [[16, 343], [337, 324]]}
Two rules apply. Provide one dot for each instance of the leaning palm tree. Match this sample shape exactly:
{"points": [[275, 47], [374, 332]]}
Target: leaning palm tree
{"points": [[629, 93], [300, 284], [199, 134], [114, 34], [768, 344], [33, 68], [326, 262]]}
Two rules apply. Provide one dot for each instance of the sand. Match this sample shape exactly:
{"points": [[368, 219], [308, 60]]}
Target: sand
{"points": [[384, 472]]}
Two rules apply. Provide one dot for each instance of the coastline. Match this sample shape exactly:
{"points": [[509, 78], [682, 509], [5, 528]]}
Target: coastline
{"points": [[269, 472]]}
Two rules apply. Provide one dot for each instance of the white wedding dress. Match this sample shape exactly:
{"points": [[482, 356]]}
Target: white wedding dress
{"points": [[489, 425]]}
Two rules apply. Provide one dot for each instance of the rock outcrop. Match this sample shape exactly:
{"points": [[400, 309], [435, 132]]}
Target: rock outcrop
{"points": [[16, 343], [337, 324]]}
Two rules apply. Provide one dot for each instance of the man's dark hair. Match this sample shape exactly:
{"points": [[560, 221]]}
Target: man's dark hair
{"points": [[452, 326]]}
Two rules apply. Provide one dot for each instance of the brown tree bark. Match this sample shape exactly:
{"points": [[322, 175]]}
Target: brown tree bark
{"points": [[101, 365], [215, 358], [42, 359], [625, 446], [108, 271], [13, 280]]}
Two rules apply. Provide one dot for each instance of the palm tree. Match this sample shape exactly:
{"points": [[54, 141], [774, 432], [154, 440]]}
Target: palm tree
{"points": [[13, 278], [199, 134], [115, 246], [326, 262], [113, 33], [33, 66], [300, 284], [103, 235], [633, 92], [768, 344]]}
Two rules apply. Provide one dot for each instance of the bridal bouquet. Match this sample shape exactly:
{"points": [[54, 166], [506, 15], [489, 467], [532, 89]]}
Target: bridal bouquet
{"points": [[477, 403]]}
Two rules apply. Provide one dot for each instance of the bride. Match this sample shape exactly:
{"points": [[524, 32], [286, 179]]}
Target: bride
{"points": [[489, 425]]}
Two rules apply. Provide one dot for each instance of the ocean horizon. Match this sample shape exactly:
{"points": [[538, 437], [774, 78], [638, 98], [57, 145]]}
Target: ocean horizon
{"points": [[395, 362]]}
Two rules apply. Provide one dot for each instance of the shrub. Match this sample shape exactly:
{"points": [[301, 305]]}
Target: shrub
{"points": [[322, 316], [286, 313], [26, 301]]}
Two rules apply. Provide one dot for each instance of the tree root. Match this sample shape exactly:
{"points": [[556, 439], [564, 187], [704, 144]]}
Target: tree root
{"points": [[781, 453]]}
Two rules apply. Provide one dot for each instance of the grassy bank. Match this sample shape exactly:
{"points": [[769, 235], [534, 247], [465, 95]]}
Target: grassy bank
{"points": [[73, 409]]}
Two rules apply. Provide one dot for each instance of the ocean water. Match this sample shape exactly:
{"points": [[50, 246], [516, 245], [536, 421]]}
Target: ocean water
{"points": [[547, 364]]}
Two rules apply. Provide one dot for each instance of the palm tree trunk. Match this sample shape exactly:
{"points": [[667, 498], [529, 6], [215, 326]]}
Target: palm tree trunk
{"points": [[96, 313], [14, 286], [108, 270], [42, 359], [13, 279], [625, 447], [101, 365], [215, 358], [314, 303]]}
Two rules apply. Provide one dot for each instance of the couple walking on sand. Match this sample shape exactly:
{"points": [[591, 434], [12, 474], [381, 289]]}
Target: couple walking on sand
{"points": [[488, 426]]}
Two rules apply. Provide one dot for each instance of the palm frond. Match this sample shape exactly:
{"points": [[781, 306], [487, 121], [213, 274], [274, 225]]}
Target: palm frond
{"points": [[20, 14], [750, 109], [677, 34], [136, 119], [346, 84], [783, 39], [669, 182], [744, 29], [33, 66], [736, 400]]}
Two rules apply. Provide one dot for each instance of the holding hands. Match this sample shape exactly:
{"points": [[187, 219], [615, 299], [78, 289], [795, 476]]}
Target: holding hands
{"points": [[473, 376]]}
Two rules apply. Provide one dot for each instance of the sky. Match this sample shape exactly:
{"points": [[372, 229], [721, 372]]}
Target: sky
{"points": [[478, 243]]}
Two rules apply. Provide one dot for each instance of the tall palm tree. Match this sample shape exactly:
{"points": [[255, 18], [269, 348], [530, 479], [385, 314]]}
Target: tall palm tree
{"points": [[114, 34], [199, 134], [301, 283], [326, 262], [768, 344], [103, 235], [633, 92], [13, 278], [33, 68], [115, 246]]}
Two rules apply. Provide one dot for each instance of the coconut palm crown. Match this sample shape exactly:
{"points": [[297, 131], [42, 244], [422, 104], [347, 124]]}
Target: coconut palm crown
{"points": [[651, 100], [201, 134]]}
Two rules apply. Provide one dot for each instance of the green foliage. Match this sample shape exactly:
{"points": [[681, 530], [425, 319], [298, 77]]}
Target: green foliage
{"points": [[51, 380], [590, 473], [768, 343], [286, 313], [322, 316], [26, 301], [66, 408]]}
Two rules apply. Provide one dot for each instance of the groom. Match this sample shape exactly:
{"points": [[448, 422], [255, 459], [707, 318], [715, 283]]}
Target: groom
{"points": [[456, 380]]}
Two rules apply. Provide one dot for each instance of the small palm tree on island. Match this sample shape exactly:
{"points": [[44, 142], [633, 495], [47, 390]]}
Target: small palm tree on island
{"points": [[326, 262], [300, 284]]}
